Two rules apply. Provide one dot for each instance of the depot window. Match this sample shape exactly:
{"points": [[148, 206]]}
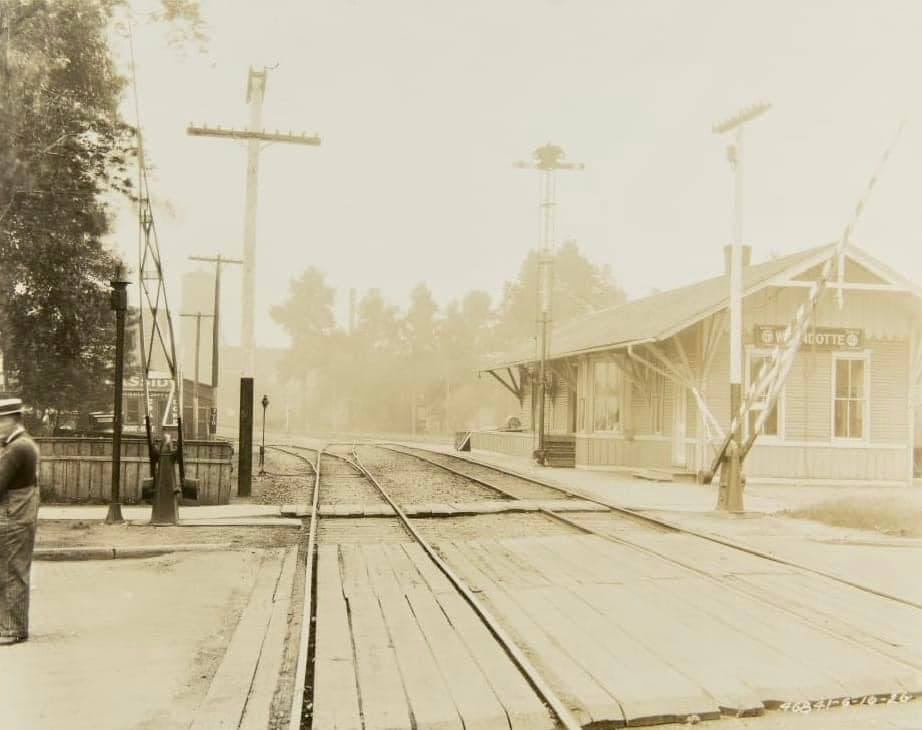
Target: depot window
{"points": [[607, 396], [850, 375], [772, 426]]}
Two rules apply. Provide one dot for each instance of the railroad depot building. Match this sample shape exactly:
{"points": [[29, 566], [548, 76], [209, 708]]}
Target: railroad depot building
{"points": [[622, 379]]}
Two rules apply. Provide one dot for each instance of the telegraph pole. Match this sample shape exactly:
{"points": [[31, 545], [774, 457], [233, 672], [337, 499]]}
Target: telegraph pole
{"points": [[730, 496], [548, 160], [218, 261], [256, 139], [198, 348]]}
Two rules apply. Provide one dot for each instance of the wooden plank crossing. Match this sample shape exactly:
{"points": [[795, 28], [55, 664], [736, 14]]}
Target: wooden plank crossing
{"points": [[398, 647], [445, 509], [628, 637]]}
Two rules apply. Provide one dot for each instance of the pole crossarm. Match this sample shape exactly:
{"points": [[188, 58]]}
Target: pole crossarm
{"points": [[216, 259], [308, 140]]}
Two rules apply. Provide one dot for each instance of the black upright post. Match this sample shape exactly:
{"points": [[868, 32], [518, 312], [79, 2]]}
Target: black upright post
{"points": [[119, 303], [245, 463]]}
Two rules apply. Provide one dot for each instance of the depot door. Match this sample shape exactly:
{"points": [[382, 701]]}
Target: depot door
{"points": [[679, 427]]}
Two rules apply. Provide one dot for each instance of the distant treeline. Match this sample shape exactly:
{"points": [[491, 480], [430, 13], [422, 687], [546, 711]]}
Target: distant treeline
{"points": [[393, 366]]}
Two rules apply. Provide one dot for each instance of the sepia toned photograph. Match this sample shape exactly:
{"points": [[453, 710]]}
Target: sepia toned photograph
{"points": [[471, 365]]}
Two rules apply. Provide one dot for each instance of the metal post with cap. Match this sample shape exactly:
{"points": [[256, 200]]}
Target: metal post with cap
{"points": [[262, 447], [119, 303]]}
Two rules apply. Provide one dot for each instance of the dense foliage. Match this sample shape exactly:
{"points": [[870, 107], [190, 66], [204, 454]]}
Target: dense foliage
{"points": [[395, 366], [63, 151]]}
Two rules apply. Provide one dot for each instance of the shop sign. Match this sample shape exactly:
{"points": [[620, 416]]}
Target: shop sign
{"points": [[157, 382], [823, 338]]}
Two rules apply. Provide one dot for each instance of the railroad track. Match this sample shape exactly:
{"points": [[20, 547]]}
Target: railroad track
{"points": [[488, 474], [620, 573], [302, 709]]}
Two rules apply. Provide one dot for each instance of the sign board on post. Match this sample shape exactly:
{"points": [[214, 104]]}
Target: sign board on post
{"points": [[823, 338]]}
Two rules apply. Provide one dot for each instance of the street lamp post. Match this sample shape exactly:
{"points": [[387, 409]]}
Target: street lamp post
{"points": [[730, 496], [119, 303], [262, 448]]}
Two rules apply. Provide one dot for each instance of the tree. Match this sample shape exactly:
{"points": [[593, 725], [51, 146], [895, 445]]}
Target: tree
{"points": [[579, 287], [63, 150]]}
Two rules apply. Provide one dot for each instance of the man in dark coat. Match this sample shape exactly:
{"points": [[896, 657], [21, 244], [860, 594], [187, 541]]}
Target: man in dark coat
{"points": [[18, 519]]}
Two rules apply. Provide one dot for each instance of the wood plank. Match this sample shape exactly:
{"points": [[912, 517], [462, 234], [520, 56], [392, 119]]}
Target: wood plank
{"points": [[404, 569], [380, 573], [586, 699], [856, 671], [648, 689], [384, 705], [336, 699], [546, 561], [226, 698], [354, 570], [875, 624], [597, 563], [435, 578], [524, 708], [666, 632], [257, 713], [430, 701], [711, 557], [506, 568], [774, 675], [473, 696]]}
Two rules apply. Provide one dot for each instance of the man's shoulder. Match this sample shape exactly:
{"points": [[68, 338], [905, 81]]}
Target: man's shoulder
{"points": [[24, 444]]}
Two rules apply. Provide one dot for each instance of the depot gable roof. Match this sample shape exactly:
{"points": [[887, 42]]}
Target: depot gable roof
{"points": [[659, 316]]}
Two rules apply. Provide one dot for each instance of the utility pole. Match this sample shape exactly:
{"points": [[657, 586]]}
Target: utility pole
{"points": [[730, 495], [218, 261], [198, 349], [256, 138], [548, 160]]}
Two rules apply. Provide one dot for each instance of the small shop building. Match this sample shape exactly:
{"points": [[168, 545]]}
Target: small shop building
{"points": [[163, 405], [645, 385]]}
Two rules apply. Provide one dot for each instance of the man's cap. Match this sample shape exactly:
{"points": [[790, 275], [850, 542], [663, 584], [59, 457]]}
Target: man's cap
{"points": [[9, 406]]}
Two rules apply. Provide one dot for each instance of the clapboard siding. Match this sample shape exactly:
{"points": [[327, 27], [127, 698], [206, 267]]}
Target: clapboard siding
{"points": [[80, 469], [828, 462], [889, 398], [614, 451]]}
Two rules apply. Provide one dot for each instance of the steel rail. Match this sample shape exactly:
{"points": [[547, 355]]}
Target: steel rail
{"points": [[714, 580], [517, 656], [647, 518], [298, 689]]}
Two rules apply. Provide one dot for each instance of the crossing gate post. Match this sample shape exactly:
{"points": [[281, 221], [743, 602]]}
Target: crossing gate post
{"points": [[164, 510]]}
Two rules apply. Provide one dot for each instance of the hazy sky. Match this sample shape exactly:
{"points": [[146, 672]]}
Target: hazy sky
{"points": [[423, 106]]}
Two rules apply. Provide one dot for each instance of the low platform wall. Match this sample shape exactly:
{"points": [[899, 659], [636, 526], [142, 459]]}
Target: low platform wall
{"points": [[504, 442], [80, 469]]}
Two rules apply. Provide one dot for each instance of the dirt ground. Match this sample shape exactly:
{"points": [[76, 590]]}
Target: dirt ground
{"points": [[119, 644]]}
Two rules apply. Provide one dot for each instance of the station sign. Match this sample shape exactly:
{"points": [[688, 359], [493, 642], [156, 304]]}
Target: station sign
{"points": [[823, 338]]}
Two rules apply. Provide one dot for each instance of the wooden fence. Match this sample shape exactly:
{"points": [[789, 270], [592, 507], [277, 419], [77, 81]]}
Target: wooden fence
{"points": [[79, 469]]}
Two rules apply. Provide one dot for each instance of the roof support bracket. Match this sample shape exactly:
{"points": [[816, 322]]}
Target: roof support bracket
{"points": [[515, 387]]}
